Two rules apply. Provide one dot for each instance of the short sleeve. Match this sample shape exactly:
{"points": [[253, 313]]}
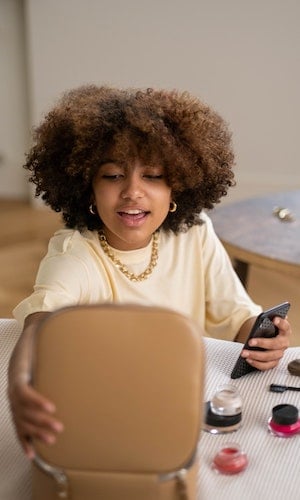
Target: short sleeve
{"points": [[228, 305], [62, 280]]}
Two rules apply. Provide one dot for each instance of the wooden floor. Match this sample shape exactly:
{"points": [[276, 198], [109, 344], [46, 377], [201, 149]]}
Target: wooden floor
{"points": [[24, 234]]}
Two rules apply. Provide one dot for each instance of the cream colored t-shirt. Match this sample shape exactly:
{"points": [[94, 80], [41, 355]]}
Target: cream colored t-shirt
{"points": [[193, 276]]}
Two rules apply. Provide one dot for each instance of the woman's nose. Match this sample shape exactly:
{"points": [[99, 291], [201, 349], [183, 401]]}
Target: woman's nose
{"points": [[132, 187]]}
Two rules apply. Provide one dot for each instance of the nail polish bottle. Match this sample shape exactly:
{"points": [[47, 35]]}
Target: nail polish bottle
{"points": [[285, 421], [223, 413], [230, 459]]}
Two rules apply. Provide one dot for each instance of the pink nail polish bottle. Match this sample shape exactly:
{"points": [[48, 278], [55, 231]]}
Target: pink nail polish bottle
{"points": [[285, 421]]}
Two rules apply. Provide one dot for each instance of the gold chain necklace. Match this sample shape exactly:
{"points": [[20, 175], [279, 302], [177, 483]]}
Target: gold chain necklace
{"points": [[131, 276]]}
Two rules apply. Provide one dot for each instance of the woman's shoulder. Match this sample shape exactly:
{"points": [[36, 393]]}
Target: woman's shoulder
{"points": [[68, 241], [198, 231]]}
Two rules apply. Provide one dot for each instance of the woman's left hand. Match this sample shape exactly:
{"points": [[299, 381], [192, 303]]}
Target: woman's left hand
{"points": [[264, 360]]}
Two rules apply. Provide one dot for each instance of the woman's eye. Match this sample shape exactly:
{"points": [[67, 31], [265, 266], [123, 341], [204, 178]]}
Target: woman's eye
{"points": [[112, 177], [153, 176]]}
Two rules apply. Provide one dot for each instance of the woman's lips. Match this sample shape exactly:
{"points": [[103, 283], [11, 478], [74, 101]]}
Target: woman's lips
{"points": [[133, 217]]}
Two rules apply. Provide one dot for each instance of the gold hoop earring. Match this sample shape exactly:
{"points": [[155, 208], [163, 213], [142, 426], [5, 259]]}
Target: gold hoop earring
{"points": [[173, 207], [92, 209]]}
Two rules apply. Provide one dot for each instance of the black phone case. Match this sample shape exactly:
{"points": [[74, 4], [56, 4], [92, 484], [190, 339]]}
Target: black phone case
{"points": [[263, 327]]}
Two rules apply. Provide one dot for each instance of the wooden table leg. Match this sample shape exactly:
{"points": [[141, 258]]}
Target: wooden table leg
{"points": [[242, 270]]}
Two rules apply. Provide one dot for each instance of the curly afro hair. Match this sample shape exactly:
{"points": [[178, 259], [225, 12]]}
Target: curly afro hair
{"points": [[169, 128]]}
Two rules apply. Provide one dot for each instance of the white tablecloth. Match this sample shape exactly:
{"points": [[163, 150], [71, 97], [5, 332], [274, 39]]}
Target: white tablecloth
{"points": [[273, 471]]}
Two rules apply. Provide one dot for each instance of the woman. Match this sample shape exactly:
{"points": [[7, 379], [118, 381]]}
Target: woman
{"points": [[132, 172]]}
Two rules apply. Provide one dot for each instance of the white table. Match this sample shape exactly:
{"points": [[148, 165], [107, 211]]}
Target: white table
{"points": [[274, 463], [273, 472], [258, 237]]}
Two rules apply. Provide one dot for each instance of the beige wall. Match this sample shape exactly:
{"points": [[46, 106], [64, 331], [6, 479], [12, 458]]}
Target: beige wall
{"points": [[13, 100], [240, 57]]}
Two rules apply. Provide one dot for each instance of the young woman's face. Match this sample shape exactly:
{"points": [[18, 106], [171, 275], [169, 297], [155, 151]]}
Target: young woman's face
{"points": [[132, 202]]}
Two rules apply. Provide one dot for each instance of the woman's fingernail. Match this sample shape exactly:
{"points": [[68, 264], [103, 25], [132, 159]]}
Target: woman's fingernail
{"points": [[49, 407], [50, 439], [253, 342], [57, 426], [30, 454]]}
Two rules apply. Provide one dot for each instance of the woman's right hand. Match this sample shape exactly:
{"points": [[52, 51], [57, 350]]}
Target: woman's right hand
{"points": [[33, 416]]}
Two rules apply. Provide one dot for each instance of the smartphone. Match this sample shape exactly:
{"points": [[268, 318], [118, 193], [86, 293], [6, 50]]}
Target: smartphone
{"points": [[263, 327]]}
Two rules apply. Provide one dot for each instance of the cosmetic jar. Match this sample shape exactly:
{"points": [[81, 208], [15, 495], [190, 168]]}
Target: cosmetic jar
{"points": [[294, 367], [230, 459], [224, 412], [284, 421]]}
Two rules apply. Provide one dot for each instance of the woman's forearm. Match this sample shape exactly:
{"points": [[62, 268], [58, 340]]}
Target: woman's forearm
{"points": [[20, 362], [245, 330]]}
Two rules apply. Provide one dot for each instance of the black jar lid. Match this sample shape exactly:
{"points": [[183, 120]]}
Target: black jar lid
{"points": [[220, 420], [294, 367], [285, 414]]}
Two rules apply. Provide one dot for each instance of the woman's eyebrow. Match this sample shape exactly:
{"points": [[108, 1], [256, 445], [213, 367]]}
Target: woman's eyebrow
{"points": [[159, 168], [107, 160]]}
